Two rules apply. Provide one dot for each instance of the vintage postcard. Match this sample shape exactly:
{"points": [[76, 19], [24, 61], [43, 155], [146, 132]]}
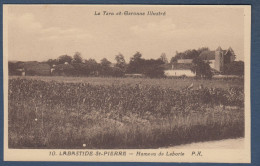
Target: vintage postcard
{"points": [[127, 83]]}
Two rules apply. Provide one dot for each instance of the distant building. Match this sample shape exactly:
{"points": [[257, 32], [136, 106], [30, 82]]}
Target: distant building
{"points": [[218, 58], [178, 69], [184, 60]]}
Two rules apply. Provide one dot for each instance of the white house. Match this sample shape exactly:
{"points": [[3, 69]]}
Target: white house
{"points": [[178, 69], [180, 72], [216, 59]]}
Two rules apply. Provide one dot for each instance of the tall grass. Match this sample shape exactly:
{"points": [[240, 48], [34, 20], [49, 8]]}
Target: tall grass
{"points": [[50, 114], [173, 83]]}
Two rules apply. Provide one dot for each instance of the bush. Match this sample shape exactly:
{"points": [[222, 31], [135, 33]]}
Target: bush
{"points": [[154, 72], [234, 68]]}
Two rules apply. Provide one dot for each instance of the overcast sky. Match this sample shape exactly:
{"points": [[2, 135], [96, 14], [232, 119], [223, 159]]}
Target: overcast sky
{"points": [[42, 32]]}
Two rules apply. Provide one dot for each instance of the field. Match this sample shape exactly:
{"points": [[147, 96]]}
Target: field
{"points": [[114, 113], [176, 84]]}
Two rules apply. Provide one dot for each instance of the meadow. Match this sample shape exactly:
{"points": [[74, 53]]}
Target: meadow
{"points": [[115, 113], [173, 83]]}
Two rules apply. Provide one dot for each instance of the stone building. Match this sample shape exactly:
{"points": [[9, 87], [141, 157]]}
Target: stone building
{"points": [[218, 58]]}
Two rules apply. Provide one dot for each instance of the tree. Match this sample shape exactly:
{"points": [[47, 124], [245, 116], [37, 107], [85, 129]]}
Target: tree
{"points": [[191, 54], [117, 72], [164, 58], [105, 63], [91, 61], [234, 68], [105, 68], [201, 69], [80, 69], [136, 56], [77, 58], [153, 69], [93, 67], [136, 64], [175, 58], [188, 54], [52, 62], [64, 58], [120, 62], [200, 50], [65, 69], [13, 68]]}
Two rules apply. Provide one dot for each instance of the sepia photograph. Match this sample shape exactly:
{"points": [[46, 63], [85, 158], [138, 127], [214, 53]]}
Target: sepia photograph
{"points": [[154, 83]]}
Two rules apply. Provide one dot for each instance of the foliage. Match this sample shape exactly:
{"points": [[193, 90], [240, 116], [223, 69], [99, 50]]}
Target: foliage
{"points": [[172, 83], [53, 114], [136, 64], [201, 68], [64, 69], [120, 62], [64, 58], [93, 67], [150, 68], [52, 62], [105, 63], [202, 49], [77, 58], [188, 54], [81, 69], [105, 68], [117, 72], [77, 66], [136, 56], [163, 58], [13, 68], [234, 68]]}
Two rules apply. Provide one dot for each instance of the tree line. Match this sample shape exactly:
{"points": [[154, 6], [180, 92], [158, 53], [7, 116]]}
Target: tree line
{"points": [[77, 66]]}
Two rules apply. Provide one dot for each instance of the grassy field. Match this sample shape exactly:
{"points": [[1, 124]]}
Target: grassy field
{"points": [[71, 112], [173, 83]]}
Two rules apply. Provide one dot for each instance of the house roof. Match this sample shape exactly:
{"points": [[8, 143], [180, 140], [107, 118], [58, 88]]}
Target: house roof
{"points": [[219, 49], [184, 60]]}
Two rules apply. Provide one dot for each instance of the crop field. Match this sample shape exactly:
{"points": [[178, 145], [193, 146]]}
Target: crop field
{"points": [[114, 113], [173, 83]]}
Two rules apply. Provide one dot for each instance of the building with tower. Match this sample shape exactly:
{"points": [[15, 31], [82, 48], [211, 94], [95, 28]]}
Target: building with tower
{"points": [[216, 59]]}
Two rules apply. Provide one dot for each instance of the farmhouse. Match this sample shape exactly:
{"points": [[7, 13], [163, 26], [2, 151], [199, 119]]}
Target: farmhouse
{"points": [[178, 69], [216, 59]]}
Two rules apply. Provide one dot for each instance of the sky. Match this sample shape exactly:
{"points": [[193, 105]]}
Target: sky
{"points": [[42, 32]]}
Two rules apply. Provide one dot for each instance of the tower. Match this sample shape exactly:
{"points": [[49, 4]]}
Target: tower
{"points": [[233, 56], [219, 59]]}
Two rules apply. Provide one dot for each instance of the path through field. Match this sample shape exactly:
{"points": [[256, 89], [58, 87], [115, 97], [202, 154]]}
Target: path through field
{"points": [[237, 143]]}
